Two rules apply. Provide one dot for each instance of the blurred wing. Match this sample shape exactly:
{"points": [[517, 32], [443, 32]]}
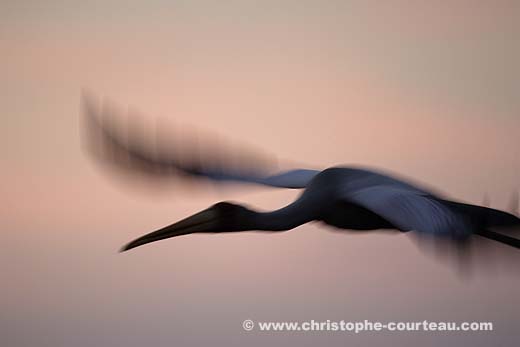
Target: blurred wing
{"points": [[411, 210], [135, 151]]}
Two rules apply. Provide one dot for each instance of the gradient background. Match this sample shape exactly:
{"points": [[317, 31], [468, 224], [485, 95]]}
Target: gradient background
{"points": [[428, 89]]}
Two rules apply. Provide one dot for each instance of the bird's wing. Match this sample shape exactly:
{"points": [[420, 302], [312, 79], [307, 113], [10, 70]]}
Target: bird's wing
{"points": [[298, 178], [410, 209], [140, 152]]}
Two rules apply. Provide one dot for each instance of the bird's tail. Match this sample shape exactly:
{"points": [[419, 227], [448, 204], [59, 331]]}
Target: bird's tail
{"points": [[485, 218]]}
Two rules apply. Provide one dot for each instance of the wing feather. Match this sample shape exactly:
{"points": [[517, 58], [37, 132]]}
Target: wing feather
{"points": [[412, 210], [139, 152]]}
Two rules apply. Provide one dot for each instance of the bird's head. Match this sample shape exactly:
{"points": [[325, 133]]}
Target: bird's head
{"points": [[229, 216], [221, 217]]}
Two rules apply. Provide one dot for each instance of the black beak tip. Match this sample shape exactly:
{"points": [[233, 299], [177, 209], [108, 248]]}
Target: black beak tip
{"points": [[127, 247]]}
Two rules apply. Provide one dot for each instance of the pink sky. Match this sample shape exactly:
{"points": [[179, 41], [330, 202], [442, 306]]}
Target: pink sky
{"points": [[429, 91]]}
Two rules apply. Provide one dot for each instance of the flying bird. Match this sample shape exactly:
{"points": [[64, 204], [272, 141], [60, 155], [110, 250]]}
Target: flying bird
{"points": [[344, 197]]}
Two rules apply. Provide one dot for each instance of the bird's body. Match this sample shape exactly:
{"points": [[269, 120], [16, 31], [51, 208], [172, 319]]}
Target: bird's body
{"points": [[345, 215], [344, 197], [353, 199]]}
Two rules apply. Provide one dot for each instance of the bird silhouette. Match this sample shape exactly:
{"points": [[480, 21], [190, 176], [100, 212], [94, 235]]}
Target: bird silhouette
{"points": [[345, 197]]}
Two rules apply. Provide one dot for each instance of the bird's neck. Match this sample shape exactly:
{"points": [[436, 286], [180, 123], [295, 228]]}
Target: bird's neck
{"points": [[282, 219]]}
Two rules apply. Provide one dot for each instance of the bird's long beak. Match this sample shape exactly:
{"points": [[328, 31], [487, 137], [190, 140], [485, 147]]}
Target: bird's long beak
{"points": [[204, 221]]}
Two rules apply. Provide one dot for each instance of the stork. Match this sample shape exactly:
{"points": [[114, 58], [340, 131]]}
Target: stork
{"points": [[345, 197]]}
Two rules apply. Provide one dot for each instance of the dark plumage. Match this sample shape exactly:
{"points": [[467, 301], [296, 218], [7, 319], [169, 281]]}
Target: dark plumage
{"points": [[344, 197]]}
